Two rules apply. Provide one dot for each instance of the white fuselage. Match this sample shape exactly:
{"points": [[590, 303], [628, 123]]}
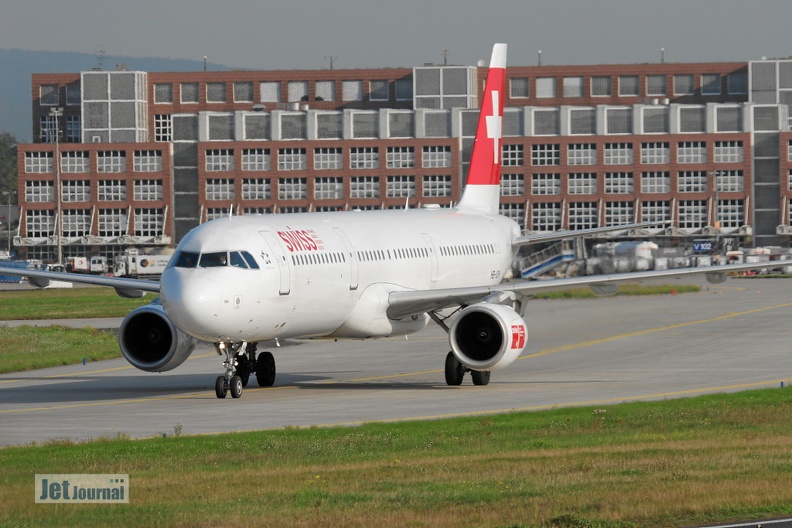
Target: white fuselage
{"points": [[328, 274]]}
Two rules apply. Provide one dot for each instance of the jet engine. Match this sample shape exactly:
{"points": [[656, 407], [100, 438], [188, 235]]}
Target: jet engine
{"points": [[151, 342], [488, 336]]}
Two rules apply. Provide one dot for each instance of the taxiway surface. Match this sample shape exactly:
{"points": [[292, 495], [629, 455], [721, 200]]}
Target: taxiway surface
{"points": [[731, 336]]}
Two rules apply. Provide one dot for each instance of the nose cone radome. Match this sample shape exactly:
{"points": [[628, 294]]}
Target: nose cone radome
{"points": [[193, 303]]}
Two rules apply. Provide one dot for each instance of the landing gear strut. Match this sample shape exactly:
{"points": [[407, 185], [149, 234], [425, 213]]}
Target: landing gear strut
{"points": [[455, 372], [240, 362]]}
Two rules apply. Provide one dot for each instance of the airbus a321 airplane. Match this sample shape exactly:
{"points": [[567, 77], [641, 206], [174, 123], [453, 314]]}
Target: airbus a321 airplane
{"points": [[241, 280]]}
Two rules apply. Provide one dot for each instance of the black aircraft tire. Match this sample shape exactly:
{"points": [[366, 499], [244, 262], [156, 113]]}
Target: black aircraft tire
{"points": [[220, 387], [265, 369], [454, 370], [480, 377]]}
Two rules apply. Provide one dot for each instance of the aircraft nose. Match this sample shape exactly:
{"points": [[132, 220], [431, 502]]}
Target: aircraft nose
{"points": [[192, 303]]}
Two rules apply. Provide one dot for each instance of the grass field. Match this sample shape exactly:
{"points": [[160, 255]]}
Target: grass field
{"points": [[658, 464], [63, 303]]}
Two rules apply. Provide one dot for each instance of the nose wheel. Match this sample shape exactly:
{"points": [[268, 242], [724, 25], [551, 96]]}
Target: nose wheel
{"points": [[240, 362]]}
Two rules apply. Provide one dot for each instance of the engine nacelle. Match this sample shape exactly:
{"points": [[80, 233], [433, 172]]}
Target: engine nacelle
{"points": [[151, 342], [488, 336]]}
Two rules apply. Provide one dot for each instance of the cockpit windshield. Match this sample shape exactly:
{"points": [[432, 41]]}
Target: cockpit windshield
{"points": [[214, 259]]}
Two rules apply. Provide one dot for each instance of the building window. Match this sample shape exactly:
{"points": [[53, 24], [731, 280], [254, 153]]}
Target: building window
{"points": [[351, 90], [711, 84], [683, 84], [147, 190], [573, 86], [112, 222], [215, 92], [163, 127], [512, 185], [618, 120], [692, 214], [515, 211], [40, 223], [628, 85], [618, 154], [655, 153], [111, 161], [600, 86], [542, 155], [655, 211], [328, 158], [436, 186], [619, 183], [519, 88], [400, 158], [325, 91], [73, 129], [729, 181], [512, 156], [76, 222], [256, 189], [219, 189], [219, 160], [731, 213], [148, 222], [656, 85], [270, 92], [619, 213], [582, 154], [728, 152], [545, 184], [213, 213], [189, 93], [364, 158], [364, 187], [546, 216], [546, 87], [400, 186], [292, 189], [436, 157], [255, 159], [112, 191], [655, 182], [76, 191], [38, 162], [37, 191], [328, 189], [296, 91], [379, 90], [147, 161], [692, 182], [49, 95], [582, 215], [582, 183], [243, 92], [163, 93], [737, 82], [692, 152], [75, 162]]}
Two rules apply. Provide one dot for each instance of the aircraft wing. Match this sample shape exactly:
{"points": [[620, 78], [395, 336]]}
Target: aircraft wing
{"points": [[406, 303], [554, 236], [132, 288]]}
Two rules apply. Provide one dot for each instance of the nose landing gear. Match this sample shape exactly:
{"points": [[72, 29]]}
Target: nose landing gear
{"points": [[239, 363]]}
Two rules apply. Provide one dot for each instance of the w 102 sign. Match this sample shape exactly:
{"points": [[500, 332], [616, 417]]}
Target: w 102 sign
{"points": [[703, 246]]}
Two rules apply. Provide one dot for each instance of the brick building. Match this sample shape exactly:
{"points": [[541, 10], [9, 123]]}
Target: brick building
{"points": [[144, 157]]}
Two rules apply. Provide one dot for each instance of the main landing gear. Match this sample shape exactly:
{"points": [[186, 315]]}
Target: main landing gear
{"points": [[455, 372], [240, 363]]}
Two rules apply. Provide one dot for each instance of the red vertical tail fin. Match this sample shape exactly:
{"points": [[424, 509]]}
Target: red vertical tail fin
{"points": [[482, 192]]}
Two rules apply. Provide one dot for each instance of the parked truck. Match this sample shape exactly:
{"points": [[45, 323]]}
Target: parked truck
{"points": [[99, 265], [133, 263]]}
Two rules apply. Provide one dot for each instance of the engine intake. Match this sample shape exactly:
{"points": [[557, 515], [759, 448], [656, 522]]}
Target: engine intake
{"points": [[488, 337], [151, 342]]}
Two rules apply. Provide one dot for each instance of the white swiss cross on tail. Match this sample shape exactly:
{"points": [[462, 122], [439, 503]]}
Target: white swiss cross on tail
{"points": [[482, 192]]}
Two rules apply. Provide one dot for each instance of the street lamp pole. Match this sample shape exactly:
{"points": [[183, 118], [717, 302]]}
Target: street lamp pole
{"points": [[56, 113], [716, 219], [8, 218]]}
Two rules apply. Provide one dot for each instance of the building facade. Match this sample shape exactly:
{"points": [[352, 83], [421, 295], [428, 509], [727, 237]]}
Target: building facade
{"points": [[136, 158]]}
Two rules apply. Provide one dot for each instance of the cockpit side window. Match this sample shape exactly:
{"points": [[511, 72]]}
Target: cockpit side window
{"points": [[185, 259], [251, 262], [214, 260], [237, 260]]}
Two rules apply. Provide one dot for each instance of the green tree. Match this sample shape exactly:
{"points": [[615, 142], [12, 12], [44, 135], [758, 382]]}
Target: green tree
{"points": [[8, 166]]}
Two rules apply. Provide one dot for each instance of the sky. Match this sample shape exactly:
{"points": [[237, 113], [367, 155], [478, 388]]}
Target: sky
{"points": [[309, 34]]}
